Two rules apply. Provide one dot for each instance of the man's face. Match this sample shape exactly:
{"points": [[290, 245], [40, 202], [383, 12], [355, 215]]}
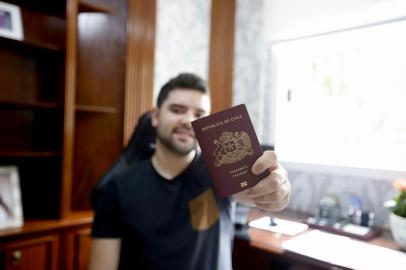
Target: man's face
{"points": [[173, 119]]}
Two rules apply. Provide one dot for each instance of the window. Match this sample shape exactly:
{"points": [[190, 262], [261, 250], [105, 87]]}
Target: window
{"points": [[341, 98]]}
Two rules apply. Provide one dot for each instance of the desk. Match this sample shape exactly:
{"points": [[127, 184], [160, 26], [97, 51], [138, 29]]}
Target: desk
{"points": [[259, 249]]}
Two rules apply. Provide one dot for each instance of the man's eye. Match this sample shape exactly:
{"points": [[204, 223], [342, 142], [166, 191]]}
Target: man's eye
{"points": [[176, 110], [198, 115]]}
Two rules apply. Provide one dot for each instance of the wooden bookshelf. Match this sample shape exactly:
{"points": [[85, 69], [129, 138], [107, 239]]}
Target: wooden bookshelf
{"points": [[54, 7], [86, 6], [30, 154], [30, 44], [62, 119], [20, 104], [96, 109]]}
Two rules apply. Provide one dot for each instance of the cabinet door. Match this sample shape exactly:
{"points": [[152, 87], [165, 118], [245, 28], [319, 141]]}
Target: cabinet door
{"points": [[32, 254], [246, 257], [78, 249]]}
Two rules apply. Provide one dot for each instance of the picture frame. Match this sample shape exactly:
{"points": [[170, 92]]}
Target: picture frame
{"points": [[10, 21], [11, 212]]}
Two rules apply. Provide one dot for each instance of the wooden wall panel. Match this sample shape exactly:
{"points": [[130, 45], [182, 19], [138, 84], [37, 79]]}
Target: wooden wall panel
{"points": [[221, 53], [140, 62], [78, 247], [96, 148], [101, 56]]}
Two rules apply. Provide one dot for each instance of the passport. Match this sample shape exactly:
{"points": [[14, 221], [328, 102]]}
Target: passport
{"points": [[229, 147]]}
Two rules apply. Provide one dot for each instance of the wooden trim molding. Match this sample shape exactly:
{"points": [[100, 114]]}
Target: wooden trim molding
{"points": [[221, 53], [140, 62], [69, 112], [78, 248]]}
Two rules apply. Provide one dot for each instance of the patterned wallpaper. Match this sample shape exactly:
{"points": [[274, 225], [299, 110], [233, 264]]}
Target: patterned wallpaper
{"points": [[182, 39], [308, 188], [249, 65], [182, 44]]}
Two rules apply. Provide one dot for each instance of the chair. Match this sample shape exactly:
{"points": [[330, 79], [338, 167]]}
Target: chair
{"points": [[141, 146]]}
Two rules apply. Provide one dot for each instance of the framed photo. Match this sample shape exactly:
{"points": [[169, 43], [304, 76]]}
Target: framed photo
{"points": [[10, 21], [11, 213]]}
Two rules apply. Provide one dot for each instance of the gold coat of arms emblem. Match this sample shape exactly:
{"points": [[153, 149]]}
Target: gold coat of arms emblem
{"points": [[232, 147]]}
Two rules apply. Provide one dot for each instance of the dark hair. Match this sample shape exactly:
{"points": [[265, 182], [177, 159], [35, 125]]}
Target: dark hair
{"points": [[184, 81]]}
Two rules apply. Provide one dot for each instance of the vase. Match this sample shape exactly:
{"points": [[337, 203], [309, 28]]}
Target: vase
{"points": [[398, 229]]}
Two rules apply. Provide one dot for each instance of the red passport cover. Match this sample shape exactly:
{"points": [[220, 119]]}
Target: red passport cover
{"points": [[230, 147]]}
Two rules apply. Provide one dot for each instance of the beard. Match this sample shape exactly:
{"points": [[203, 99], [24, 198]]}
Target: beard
{"points": [[170, 143]]}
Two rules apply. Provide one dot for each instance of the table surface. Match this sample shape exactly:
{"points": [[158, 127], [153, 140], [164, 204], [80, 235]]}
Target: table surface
{"points": [[273, 242]]}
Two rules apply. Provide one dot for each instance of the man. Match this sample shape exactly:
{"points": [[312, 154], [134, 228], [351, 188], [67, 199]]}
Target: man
{"points": [[162, 213]]}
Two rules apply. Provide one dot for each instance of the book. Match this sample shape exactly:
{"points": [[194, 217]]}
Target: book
{"points": [[229, 147]]}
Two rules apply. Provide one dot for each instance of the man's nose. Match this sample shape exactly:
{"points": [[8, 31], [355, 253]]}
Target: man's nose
{"points": [[187, 118]]}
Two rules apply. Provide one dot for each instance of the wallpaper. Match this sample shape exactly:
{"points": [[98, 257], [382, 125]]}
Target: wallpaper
{"points": [[182, 39], [308, 188], [249, 65]]}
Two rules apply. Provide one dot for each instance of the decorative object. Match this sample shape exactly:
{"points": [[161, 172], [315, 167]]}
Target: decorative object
{"points": [[10, 21], [11, 214], [398, 228], [397, 216]]}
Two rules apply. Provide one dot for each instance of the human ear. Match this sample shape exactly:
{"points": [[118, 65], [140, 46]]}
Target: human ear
{"points": [[154, 117]]}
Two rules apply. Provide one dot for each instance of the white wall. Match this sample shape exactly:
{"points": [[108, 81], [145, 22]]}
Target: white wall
{"points": [[288, 19], [249, 77], [182, 39]]}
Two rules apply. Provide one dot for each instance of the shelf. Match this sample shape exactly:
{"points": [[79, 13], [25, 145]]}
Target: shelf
{"points": [[29, 104], [97, 109], [55, 7], [28, 154], [35, 226], [84, 6], [31, 44]]}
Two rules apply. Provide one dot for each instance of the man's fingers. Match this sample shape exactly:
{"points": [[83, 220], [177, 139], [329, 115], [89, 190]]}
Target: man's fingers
{"points": [[274, 206], [272, 193], [268, 160], [269, 184], [276, 196]]}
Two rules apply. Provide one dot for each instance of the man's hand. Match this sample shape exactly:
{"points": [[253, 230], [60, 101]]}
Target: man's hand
{"points": [[272, 192]]}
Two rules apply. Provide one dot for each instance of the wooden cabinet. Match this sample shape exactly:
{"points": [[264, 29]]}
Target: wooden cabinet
{"points": [[245, 257], [61, 101], [31, 109], [34, 254], [40, 123], [70, 95], [62, 119], [248, 255], [78, 249], [62, 244], [95, 98]]}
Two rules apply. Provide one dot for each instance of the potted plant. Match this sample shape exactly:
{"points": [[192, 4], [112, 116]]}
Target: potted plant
{"points": [[397, 216]]}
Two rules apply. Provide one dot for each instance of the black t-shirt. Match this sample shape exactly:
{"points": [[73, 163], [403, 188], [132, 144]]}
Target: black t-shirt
{"points": [[177, 224]]}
